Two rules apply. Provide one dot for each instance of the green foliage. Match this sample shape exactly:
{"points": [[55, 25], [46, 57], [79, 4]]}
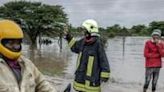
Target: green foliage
{"points": [[156, 25], [136, 30], [35, 18], [139, 30]]}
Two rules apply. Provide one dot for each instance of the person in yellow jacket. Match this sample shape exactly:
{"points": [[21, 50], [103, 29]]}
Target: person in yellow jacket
{"points": [[17, 73], [92, 64]]}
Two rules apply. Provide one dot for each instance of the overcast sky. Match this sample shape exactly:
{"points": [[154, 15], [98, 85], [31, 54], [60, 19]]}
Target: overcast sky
{"points": [[109, 12]]}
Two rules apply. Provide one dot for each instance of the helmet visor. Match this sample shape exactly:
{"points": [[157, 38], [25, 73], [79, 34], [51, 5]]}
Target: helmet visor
{"points": [[12, 44]]}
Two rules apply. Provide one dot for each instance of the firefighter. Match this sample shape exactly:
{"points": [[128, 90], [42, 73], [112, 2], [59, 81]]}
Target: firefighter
{"points": [[17, 73], [92, 63]]}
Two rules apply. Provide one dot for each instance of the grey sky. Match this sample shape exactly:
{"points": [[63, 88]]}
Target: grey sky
{"points": [[109, 12]]}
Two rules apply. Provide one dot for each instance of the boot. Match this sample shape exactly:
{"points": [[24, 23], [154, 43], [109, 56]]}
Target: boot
{"points": [[144, 90], [68, 88]]}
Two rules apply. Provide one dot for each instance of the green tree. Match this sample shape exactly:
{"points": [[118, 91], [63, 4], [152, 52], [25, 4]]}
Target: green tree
{"points": [[140, 30], [35, 18], [156, 25], [124, 32], [113, 30]]}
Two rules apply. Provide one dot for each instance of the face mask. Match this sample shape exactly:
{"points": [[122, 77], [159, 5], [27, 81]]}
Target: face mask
{"points": [[14, 47], [17, 47]]}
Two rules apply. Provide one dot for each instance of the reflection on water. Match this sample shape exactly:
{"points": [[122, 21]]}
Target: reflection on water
{"points": [[48, 59], [125, 58]]}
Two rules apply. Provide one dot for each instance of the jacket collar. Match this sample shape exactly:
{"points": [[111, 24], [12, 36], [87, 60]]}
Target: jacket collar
{"points": [[20, 60], [2, 60]]}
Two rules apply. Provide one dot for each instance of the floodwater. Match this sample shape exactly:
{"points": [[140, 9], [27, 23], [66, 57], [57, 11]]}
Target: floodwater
{"points": [[125, 56]]}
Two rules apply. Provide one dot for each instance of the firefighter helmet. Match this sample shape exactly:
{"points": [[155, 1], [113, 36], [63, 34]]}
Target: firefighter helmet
{"points": [[90, 25]]}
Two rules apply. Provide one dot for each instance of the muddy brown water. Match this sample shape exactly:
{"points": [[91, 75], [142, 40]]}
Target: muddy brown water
{"points": [[125, 57]]}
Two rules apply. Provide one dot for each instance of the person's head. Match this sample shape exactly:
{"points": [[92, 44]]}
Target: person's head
{"points": [[156, 34], [90, 27], [11, 36]]}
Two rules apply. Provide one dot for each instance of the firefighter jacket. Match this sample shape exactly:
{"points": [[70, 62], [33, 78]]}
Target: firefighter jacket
{"points": [[92, 64]]}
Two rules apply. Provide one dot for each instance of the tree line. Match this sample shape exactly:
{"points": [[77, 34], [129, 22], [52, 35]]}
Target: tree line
{"points": [[38, 19], [136, 30]]}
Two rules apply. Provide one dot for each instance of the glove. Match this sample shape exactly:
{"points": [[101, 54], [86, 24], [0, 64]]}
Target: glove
{"points": [[104, 79]]}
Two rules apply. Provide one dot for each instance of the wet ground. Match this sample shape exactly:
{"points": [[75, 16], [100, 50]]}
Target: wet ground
{"points": [[125, 58], [61, 83]]}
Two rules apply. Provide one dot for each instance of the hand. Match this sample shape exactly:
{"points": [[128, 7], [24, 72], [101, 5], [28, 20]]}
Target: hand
{"points": [[65, 30], [156, 41], [104, 79], [160, 44]]}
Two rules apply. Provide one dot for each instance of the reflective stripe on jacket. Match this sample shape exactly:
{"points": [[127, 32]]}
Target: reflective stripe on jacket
{"points": [[92, 64]]}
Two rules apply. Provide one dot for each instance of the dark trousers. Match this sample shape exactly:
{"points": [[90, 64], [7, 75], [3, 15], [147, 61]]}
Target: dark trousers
{"points": [[151, 74]]}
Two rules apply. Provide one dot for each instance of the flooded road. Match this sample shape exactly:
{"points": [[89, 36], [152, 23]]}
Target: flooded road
{"points": [[125, 58]]}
